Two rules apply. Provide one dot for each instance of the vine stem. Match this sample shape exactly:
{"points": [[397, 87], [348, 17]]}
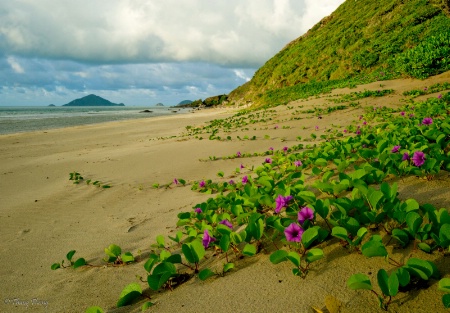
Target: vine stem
{"points": [[188, 266], [395, 262]]}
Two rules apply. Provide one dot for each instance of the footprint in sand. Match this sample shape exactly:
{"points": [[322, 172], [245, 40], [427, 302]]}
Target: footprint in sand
{"points": [[24, 231]]}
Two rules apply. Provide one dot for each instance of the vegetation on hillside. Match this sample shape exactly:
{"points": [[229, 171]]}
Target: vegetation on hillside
{"points": [[361, 41]]}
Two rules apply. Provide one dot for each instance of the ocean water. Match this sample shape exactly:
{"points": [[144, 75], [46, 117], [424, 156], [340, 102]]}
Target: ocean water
{"points": [[27, 119]]}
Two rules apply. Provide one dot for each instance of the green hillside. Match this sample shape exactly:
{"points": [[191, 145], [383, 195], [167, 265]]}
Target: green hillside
{"points": [[363, 40]]}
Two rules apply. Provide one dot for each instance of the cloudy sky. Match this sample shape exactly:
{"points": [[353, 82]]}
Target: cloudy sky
{"points": [[141, 52]]}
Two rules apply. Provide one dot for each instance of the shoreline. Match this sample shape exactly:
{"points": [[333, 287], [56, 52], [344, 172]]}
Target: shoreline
{"points": [[29, 119]]}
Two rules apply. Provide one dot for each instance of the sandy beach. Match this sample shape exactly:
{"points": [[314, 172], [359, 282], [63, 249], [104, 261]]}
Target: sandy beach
{"points": [[44, 215]]}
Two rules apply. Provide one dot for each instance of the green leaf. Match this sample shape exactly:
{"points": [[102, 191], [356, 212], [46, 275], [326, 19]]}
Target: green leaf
{"points": [[374, 248], [421, 268], [147, 305], [193, 251], [403, 276], [374, 198], [94, 309], [341, 233], [278, 256], [198, 249], [294, 257], [174, 258], [360, 235], [225, 243], [322, 208], [223, 229], [401, 236], [189, 253], [70, 254], [227, 267], [129, 294], [80, 262], [177, 237], [161, 274], [383, 277], [151, 262], [164, 255], [127, 257], [267, 182], [446, 300], [411, 205], [413, 220], [359, 281], [55, 266], [205, 274], [444, 235], [393, 285], [249, 250], [321, 162], [308, 196], [236, 238], [444, 284], [314, 255], [424, 247], [113, 250], [181, 216], [309, 236]]}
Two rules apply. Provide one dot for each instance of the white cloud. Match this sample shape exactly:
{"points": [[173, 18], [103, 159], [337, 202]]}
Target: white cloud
{"points": [[15, 65], [241, 74], [225, 32], [57, 49]]}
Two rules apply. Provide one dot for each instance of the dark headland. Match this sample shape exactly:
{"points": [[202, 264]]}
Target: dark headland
{"points": [[92, 100]]}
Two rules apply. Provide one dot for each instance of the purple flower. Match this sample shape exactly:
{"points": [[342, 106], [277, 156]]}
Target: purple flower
{"points": [[294, 233], [282, 202], [418, 158], [358, 132], [317, 127], [276, 127], [268, 160], [202, 184], [279, 203], [425, 89], [175, 181], [207, 239], [360, 117], [271, 149], [285, 149], [231, 182], [395, 149], [242, 166], [364, 123], [427, 121], [439, 96], [405, 156], [244, 180], [345, 130], [226, 223], [402, 113], [305, 214], [238, 154], [198, 210], [298, 163]]}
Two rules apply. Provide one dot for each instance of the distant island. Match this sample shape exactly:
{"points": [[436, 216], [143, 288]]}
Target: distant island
{"points": [[51, 105], [92, 100], [159, 105]]}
